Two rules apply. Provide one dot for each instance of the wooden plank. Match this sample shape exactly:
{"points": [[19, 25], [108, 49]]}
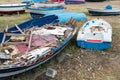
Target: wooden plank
{"points": [[71, 20], [4, 36], [30, 40], [74, 23], [19, 29], [12, 34], [13, 43]]}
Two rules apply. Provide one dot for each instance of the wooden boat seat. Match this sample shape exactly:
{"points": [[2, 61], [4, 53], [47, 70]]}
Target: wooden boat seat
{"points": [[16, 39], [11, 34], [13, 43]]}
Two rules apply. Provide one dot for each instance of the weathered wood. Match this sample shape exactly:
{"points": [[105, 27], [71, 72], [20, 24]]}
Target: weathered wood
{"points": [[19, 29], [30, 40], [72, 22], [12, 34], [4, 36], [13, 43]]}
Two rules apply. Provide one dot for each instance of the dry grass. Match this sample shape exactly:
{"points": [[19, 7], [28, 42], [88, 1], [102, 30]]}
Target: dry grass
{"points": [[9, 1], [10, 20]]}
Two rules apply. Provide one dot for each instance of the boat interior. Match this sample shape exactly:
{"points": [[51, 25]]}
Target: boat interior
{"points": [[32, 45]]}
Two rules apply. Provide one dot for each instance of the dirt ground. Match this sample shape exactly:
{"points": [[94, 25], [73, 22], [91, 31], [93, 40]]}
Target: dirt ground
{"points": [[83, 64], [89, 64]]}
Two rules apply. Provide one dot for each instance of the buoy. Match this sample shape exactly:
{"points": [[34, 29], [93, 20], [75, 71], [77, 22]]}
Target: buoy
{"points": [[108, 7]]}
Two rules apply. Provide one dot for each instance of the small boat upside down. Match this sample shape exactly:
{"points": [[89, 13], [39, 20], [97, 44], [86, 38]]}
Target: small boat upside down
{"points": [[95, 34]]}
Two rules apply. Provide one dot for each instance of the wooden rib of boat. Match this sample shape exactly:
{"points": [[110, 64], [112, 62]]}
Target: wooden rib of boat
{"points": [[102, 12], [45, 37], [95, 34], [12, 8]]}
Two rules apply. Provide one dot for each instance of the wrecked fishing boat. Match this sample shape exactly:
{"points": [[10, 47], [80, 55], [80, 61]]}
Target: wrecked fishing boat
{"points": [[95, 34], [32, 43]]}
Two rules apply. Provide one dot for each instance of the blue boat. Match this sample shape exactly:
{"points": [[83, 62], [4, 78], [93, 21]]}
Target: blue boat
{"points": [[95, 0], [63, 16], [95, 34], [32, 43], [13, 8], [44, 11], [74, 1], [103, 12]]}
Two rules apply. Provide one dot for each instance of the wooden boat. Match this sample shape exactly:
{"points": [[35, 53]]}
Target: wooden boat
{"points": [[43, 11], [32, 43], [12, 8], [95, 34], [102, 12]]}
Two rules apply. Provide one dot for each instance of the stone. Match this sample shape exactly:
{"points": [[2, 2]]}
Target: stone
{"points": [[51, 72]]}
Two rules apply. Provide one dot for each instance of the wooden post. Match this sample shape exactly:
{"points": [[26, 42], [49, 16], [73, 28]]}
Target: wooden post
{"points": [[18, 12]]}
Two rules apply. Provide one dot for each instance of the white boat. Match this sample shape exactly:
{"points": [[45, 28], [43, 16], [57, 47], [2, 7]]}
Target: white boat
{"points": [[48, 4], [102, 12], [44, 11], [95, 34], [12, 8]]}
